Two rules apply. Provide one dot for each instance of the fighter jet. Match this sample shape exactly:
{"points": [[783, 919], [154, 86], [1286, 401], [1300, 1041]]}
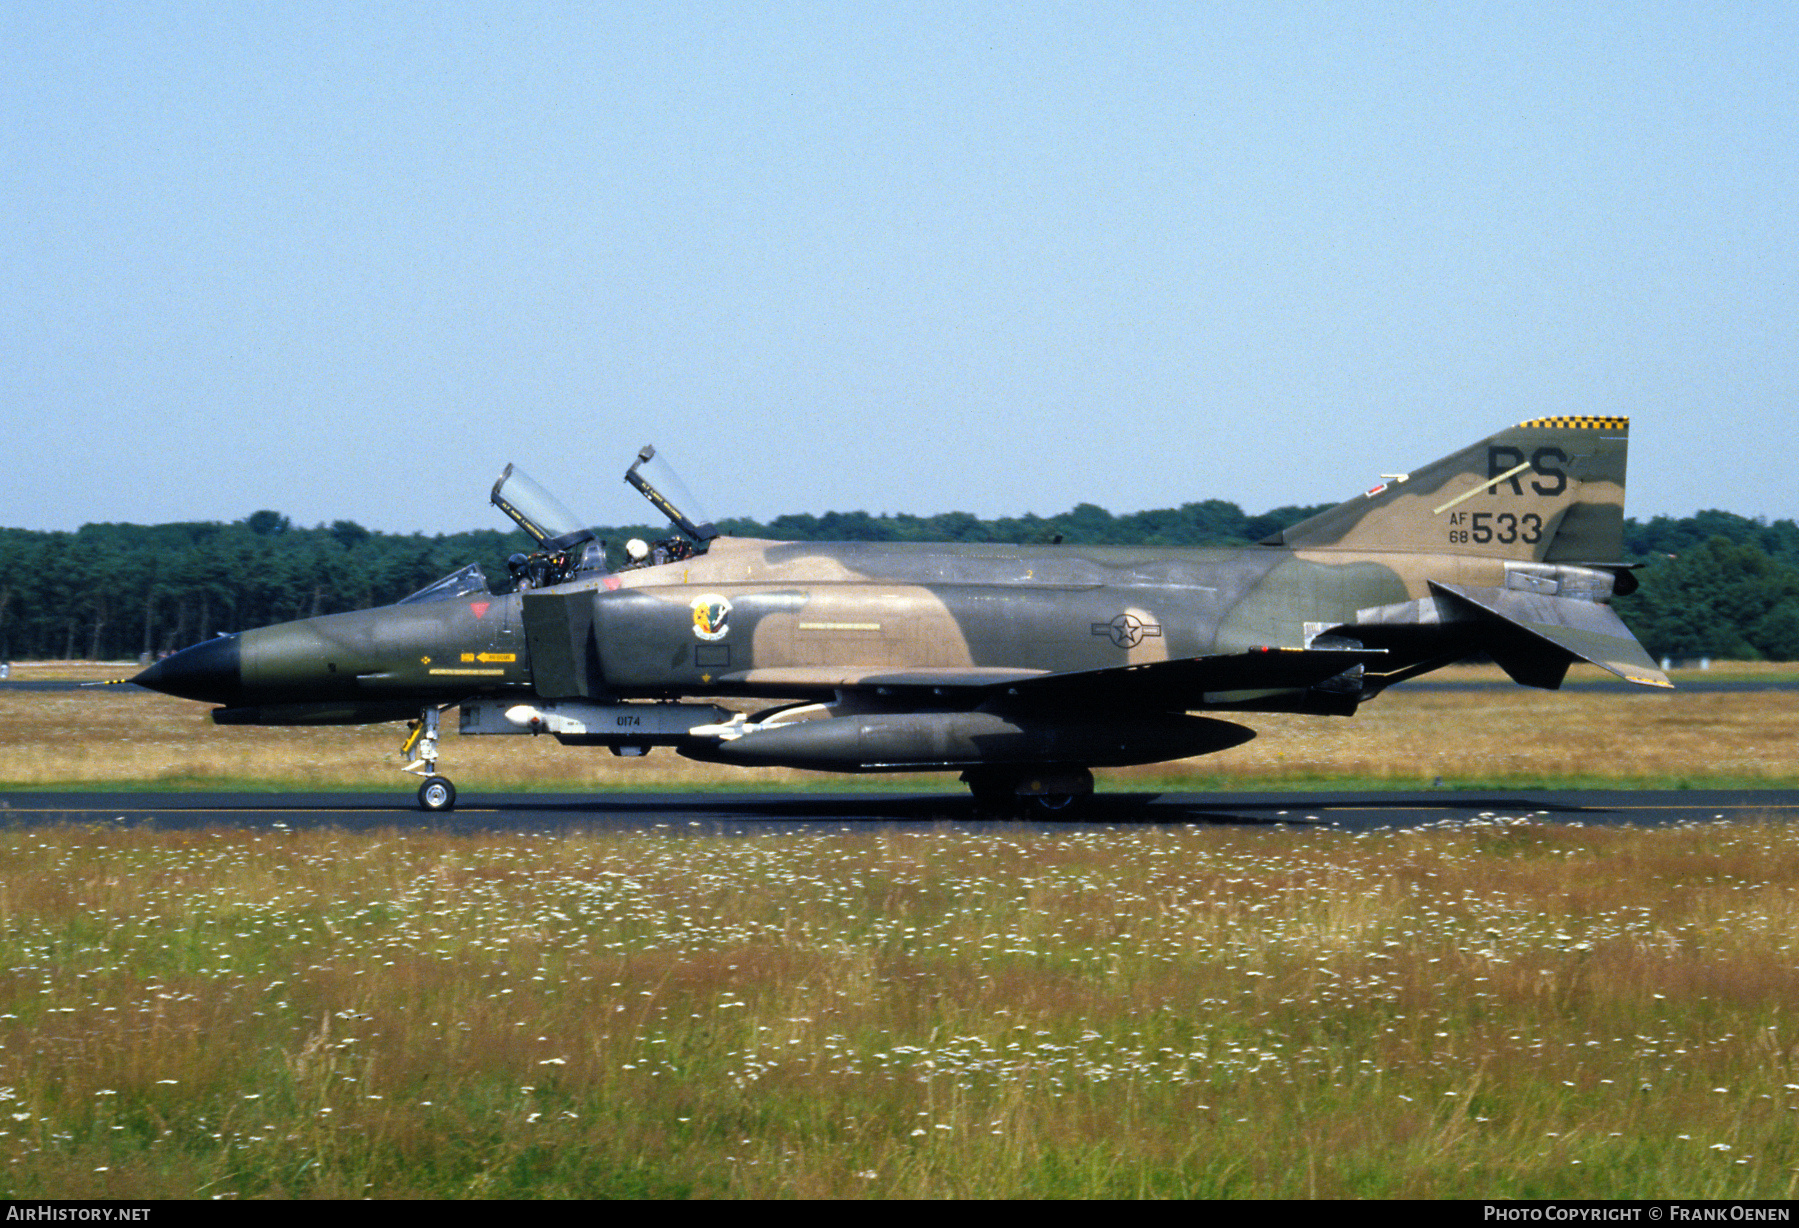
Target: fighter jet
{"points": [[1021, 667]]}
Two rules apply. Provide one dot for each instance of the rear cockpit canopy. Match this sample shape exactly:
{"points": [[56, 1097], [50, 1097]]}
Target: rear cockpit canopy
{"points": [[655, 480]]}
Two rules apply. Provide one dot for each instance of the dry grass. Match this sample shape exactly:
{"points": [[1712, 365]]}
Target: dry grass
{"points": [[1500, 1010], [1520, 737], [128, 737], [72, 671], [1720, 671], [1405, 739]]}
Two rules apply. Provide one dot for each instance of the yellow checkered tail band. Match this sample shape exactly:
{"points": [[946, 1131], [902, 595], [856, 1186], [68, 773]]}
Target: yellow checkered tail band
{"points": [[1578, 424]]}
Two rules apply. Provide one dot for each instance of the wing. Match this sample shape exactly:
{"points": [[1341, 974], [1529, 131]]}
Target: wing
{"points": [[1192, 682], [809, 680], [1178, 685]]}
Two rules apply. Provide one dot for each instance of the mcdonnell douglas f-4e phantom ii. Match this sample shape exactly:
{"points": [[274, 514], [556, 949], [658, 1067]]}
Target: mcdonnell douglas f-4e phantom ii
{"points": [[1021, 667]]}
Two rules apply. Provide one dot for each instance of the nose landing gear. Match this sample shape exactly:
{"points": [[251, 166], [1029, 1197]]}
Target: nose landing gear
{"points": [[437, 793]]}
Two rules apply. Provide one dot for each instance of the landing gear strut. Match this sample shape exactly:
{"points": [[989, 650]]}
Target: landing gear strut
{"points": [[1053, 791], [437, 793]]}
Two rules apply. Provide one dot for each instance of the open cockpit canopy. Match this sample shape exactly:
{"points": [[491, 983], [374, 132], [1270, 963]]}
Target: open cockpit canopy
{"points": [[539, 513], [656, 481]]}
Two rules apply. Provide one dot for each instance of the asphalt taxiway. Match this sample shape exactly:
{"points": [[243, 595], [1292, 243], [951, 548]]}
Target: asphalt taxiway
{"points": [[742, 814]]}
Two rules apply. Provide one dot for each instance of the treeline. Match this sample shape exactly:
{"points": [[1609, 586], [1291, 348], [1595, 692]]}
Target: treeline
{"points": [[108, 591], [1212, 523], [1716, 583], [111, 591]]}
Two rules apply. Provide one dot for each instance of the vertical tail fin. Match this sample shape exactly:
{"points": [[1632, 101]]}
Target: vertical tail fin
{"points": [[1547, 490]]}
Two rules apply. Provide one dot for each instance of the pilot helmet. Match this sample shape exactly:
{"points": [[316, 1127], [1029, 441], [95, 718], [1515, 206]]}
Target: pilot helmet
{"points": [[637, 550], [515, 563]]}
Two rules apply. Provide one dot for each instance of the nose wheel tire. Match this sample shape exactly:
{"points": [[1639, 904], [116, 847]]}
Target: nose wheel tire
{"points": [[437, 794]]}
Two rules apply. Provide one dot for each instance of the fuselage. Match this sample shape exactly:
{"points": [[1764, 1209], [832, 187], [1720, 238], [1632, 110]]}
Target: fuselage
{"points": [[1022, 666], [804, 620]]}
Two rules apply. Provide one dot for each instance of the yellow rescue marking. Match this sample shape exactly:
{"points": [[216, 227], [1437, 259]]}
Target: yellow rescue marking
{"points": [[424, 660], [840, 626], [466, 672], [1509, 473], [491, 657]]}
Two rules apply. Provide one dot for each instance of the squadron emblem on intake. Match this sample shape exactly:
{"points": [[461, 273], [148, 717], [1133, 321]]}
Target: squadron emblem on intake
{"points": [[711, 616]]}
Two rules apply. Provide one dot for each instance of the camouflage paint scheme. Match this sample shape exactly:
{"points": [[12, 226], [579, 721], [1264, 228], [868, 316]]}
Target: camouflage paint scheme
{"points": [[1008, 662]]}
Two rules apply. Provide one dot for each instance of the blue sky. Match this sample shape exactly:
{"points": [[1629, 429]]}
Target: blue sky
{"points": [[348, 261]]}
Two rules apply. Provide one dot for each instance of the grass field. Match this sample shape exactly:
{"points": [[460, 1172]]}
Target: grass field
{"points": [[1513, 737], [1506, 1009], [1502, 1010]]}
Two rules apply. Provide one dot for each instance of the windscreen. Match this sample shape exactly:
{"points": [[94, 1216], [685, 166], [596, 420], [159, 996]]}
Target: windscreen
{"points": [[464, 583]]}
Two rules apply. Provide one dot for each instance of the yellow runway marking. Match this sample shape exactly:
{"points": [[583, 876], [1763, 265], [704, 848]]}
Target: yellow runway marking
{"points": [[398, 805]]}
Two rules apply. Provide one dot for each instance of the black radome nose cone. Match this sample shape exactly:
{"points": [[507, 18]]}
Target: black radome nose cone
{"points": [[211, 672]]}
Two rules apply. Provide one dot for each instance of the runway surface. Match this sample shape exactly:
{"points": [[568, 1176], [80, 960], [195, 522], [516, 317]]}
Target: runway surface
{"points": [[743, 814]]}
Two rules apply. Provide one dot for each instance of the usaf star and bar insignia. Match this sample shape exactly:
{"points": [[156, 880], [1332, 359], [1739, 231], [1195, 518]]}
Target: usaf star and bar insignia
{"points": [[1128, 631]]}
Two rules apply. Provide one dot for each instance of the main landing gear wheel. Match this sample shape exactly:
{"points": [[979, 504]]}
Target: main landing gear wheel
{"points": [[1056, 792], [437, 794]]}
